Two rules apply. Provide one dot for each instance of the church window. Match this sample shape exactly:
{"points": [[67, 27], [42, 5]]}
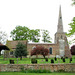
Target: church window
{"points": [[33, 47], [50, 50], [61, 36], [11, 53]]}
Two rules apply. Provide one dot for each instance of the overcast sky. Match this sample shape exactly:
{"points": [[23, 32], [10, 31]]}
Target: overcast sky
{"points": [[35, 14]]}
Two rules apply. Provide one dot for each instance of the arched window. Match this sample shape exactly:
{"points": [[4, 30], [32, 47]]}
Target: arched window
{"points": [[33, 47], [60, 17], [50, 50], [61, 36]]}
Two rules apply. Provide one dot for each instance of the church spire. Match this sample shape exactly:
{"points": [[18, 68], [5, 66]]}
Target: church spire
{"points": [[60, 24]]}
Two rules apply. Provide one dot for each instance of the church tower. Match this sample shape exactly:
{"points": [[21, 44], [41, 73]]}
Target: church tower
{"points": [[61, 39], [60, 34]]}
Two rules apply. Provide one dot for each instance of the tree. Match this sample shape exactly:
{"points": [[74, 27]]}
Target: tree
{"points": [[21, 50], [72, 29], [72, 50], [40, 50], [73, 2], [24, 33], [3, 37], [20, 33], [45, 36], [34, 35]]}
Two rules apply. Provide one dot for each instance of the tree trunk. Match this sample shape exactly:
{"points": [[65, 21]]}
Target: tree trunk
{"points": [[21, 58], [0, 53], [36, 56], [44, 56]]}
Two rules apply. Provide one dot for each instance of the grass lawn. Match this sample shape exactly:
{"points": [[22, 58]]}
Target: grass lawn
{"points": [[20, 73], [40, 61]]}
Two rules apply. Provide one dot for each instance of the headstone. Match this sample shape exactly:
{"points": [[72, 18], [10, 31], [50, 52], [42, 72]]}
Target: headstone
{"points": [[57, 56]]}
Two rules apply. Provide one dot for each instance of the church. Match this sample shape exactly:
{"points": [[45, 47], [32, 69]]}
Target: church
{"points": [[60, 46]]}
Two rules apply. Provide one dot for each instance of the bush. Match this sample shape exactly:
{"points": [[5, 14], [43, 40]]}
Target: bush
{"points": [[36, 71], [63, 59], [11, 61], [21, 50], [61, 70], [55, 59], [40, 50], [72, 50], [70, 60], [46, 59], [33, 61], [52, 61], [66, 57]]}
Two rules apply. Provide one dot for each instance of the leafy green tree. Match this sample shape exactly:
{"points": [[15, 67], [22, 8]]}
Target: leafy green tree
{"points": [[24, 33], [34, 35], [46, 37], [21, 50], [73, 2], [72, 29], [20, 33]]}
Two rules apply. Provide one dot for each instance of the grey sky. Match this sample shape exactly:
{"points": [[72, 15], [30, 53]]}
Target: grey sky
{"points": [[35, 14]]}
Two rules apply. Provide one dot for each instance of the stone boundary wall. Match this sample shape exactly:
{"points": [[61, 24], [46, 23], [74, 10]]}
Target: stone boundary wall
{"points": [[52, 67]]}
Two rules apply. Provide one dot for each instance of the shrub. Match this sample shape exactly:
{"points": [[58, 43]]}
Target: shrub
{"points": [[66, 57], [63, 59], [72, 50], [36, 71], [70, 60], [52, 61], [21, 50], [11, 61], [40, 50], [33, 61], [61, 70], [55, 59], [46, 59]]}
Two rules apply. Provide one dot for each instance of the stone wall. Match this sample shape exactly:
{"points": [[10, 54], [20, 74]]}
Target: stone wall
{"points": [[51, 67]]}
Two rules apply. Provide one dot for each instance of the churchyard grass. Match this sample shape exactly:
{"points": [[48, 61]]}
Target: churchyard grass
{"points": [[20, 73], [40, 60]]}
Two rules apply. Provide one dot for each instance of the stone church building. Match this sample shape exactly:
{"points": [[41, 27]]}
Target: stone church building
{"points": [[59, 47]]}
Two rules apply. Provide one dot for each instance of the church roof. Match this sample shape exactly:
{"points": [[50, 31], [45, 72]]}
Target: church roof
{"points": [[3, 47], [12, 44]]}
